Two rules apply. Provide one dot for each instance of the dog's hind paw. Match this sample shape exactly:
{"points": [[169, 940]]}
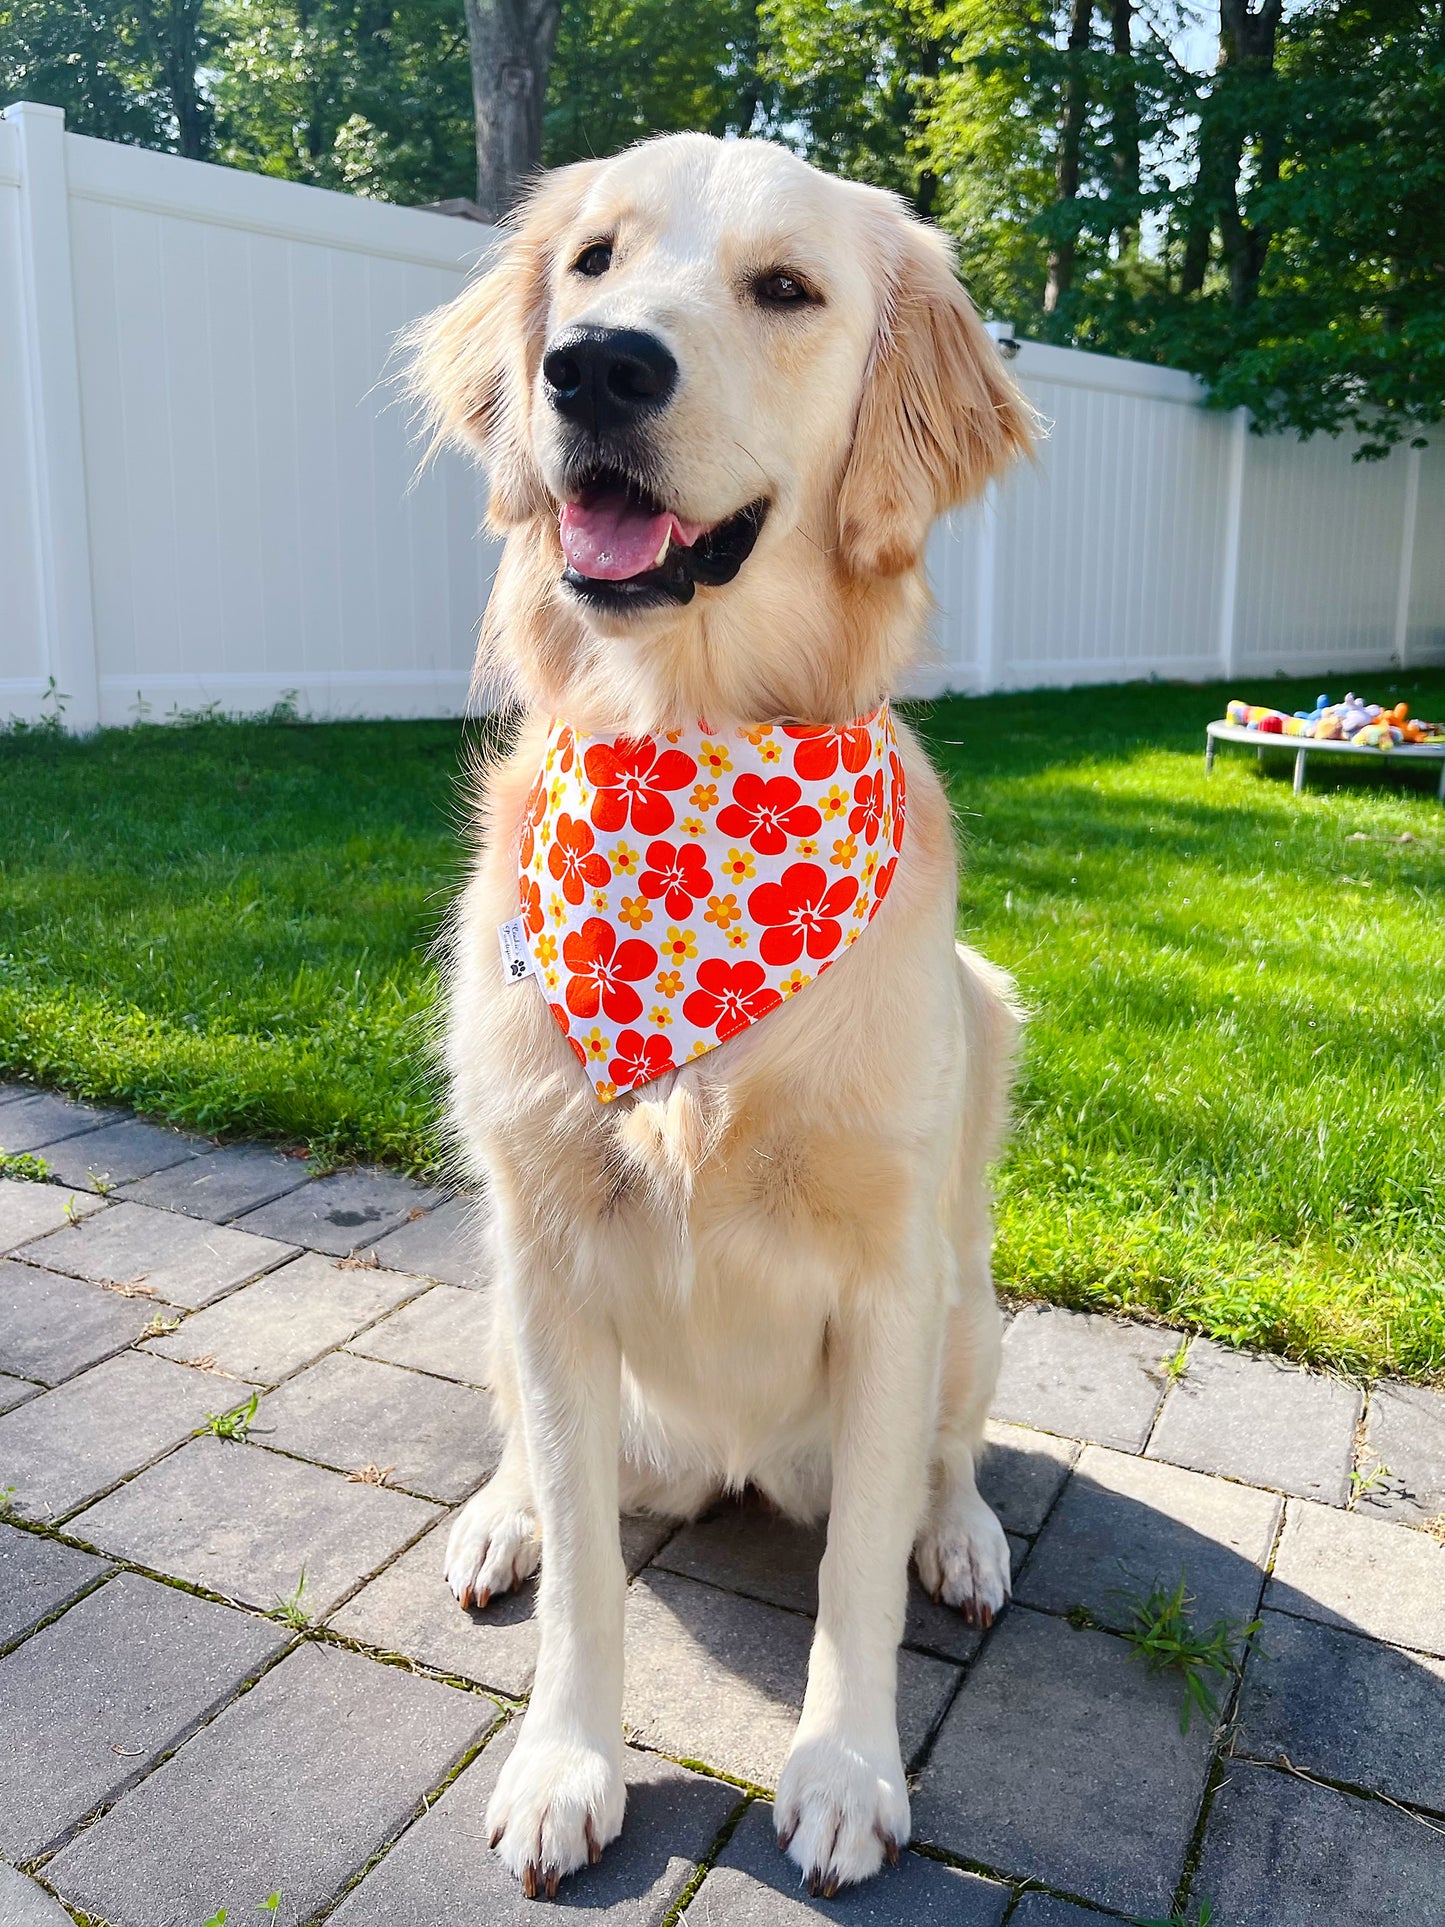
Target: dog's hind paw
{"points": [[556, 1805], [963, 1558], [494, 1545], [842, 1809]]}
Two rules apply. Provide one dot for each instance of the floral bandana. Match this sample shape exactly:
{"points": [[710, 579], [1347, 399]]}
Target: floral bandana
{"points": [[675, 889]]}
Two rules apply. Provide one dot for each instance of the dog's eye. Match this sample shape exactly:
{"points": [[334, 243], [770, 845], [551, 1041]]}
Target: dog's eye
{"points": [[780, 289], [594, 260]]}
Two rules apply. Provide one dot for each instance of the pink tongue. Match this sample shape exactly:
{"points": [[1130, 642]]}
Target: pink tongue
{"points": [[612, 539]]}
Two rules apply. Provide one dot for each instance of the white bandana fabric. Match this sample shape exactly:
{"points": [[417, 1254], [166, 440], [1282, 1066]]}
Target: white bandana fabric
{"points": [[674, 889]]}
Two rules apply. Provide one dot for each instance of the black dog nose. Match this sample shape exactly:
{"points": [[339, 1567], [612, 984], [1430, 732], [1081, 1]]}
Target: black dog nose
{"points": [[604, 378]]}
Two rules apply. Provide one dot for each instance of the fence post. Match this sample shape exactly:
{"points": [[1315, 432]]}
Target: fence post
{"points": [[53, 375], [984, 584], [1233, 525], [1407, 557]]}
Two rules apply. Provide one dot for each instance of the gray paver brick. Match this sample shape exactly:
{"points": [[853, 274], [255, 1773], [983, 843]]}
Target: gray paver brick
{"points": [[444, 1332], [52, 1327], [445, 1245], [1081, 1375], [755, 1885], [1346, 1708], [221, 1823], [36, 1577], [70, 1444], [751, 1549], [1021, 1472], [220, 1185], [1281, 1852], [118, 1153], [15, 1391], [182, 1262], [244, 1522], [1125, 1525], [42, 1118], [24, 1903], [1045, 1910], [1406, 1434], [1262, 1421], [1062, 1760], [442, 1871], [352, 1412], [1350, 1570], [11, 1093], [30, 1210], [347, 1211], [271, 1328], [715, 1677], [107, 1688], [410, 1609]]}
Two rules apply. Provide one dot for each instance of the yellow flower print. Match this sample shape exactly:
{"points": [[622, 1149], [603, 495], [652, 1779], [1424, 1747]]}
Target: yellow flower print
{"points": [[557, 910], [660, 1014], [544, 834], [834, 802], [722, 911], [679, 944], [870, 866], [556, 793], [844, 851], [704, 795], [669, 982], [771, 752], [714, 758], [693, 826], [599, 899], [699, 1048], [547, 948], [759, 735], [885, 826], [806, 846], [738, 938], [607, 1092], [624, 859], [860, 908], [550, 977], [794, 981], [595, 1044], [634, 912], [737, 866], [551, 754]]}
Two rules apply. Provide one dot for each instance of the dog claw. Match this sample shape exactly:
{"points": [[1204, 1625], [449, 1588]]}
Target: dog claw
{"points": [[815, 1883], [985, 1617], [890, 1847], [785, 1836], [594, 1852], [497, 1833], [830, 1887], [551, 1884], [529, 1880], [482, 1600]]}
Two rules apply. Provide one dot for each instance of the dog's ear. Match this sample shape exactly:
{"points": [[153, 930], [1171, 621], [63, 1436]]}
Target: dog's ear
{"points": [[470, 366], [938, 415]]}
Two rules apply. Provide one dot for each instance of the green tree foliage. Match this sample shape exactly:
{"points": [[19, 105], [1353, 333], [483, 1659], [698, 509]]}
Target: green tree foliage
{"points": [[90, 58]]}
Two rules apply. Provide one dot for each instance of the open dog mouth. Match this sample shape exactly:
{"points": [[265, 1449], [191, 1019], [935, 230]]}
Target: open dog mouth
{"points": [[625, 550]]}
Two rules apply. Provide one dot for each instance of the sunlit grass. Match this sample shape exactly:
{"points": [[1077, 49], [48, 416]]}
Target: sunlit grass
{"points": [[1232, 1105]]}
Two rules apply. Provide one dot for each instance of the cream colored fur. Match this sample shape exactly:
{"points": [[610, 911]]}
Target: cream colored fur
{"points": [[770, 1267]]}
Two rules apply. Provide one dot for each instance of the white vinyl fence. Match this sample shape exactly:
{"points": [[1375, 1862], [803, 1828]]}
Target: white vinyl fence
{"points": [[206, 484]]}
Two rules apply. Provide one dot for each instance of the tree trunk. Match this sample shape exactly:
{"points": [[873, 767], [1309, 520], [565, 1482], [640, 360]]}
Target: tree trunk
{"points": [[511, 43], [1071, 140], [172, 31], [1124, 132], [1247, 44]]}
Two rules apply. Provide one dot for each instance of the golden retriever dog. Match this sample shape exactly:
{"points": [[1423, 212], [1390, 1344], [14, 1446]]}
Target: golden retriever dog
{"points": [[720, 398]]}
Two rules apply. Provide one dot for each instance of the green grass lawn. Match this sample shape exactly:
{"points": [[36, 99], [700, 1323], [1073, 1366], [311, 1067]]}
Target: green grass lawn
{"points": [[1232, 1104]]}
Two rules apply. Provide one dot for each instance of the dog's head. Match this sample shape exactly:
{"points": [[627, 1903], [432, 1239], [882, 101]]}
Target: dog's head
{"points": [[721, 398]]}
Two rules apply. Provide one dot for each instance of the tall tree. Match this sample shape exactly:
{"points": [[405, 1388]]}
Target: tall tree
{"points": [[511, 44], [1074, 108]]}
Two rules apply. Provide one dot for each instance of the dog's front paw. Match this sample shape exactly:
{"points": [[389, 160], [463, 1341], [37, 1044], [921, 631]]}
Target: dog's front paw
{"points": [[842, 1808], [963, 1557], [494, 1545], [556, 1805]]}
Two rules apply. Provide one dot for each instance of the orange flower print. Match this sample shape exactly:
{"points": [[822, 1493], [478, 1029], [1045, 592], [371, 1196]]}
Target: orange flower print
{"points": [[765, 811], [834, 802], [639, 1059], [738, 938], [624, 860], [595, 1044], [868, 796], [804, 908], [759, 735], [634, 912], [669, 982], [562, 1021], [660, 1015], [602, 971], [897, 796], [860, 908], [729, 997], [630, 779], [722, 911], [606, 1092], [678, 945], [531, 906], [819, 750], [737, 866], [885, 880], [704, 796], [714, 758], [533, 813], [676, 873], [844, 851], [566, 748], [574, 860], [546, 947]]}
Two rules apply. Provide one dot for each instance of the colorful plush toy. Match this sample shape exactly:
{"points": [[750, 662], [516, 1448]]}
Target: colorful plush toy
{"points": [[1363, 725]]}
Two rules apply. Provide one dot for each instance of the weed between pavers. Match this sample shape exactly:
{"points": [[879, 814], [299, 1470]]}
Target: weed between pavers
{"points": [[1201, 1917], [1176, 1364], [1362, 1482], [20, 1164], [290, 1611], [1164, 1636], [235, 1424], [219, 1917]]}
